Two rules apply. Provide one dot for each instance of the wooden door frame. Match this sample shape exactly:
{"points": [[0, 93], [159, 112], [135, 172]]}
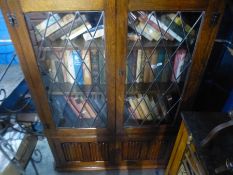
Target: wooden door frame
{"points": [[21, 39]]}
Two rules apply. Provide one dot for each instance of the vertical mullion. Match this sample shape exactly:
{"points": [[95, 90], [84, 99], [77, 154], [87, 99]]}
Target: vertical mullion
{"points": [[121, 54], [110, 49]]}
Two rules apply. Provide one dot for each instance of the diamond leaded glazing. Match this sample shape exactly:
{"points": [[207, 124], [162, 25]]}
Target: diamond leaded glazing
{"points": [[160, 47], [71, 58]]}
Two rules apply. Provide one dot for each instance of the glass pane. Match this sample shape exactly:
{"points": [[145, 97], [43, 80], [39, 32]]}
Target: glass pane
{"points": [[70, 54], [160, 48]]}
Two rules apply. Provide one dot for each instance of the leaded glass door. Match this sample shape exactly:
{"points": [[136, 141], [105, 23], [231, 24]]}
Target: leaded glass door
{"points": [[160, 46], [70, 52]]}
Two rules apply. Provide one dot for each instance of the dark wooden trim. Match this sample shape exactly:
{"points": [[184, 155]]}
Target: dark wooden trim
{"points": [[122, 29], [167, 5], [110, 47], [104, 165], [202, 52], [60, 5]]}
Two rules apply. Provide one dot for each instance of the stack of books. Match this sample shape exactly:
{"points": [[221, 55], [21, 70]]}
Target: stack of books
{"points": [[147, 108]]}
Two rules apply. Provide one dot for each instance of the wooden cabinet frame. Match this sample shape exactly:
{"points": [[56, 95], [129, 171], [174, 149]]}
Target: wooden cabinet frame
{"points": [[116, 14]]}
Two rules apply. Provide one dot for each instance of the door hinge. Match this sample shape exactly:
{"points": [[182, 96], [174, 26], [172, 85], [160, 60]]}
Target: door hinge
{"points": [[12, 19], [214, 19]]}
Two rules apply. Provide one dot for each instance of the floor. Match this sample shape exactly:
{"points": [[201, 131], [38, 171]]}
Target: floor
{"points": [[45, 167], [10, 80]]}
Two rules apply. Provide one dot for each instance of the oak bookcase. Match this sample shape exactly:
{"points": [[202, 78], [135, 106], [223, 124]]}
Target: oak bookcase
{"points": [[113, 100]]}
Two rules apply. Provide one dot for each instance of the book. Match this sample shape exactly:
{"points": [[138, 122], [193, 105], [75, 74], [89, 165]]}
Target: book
{"points": [[80, 29], [153, 63], [75, 108], [160, 63], [139, 66], [69, 64], [95, 32], [173, 26], [144, 17], [95, 66], [102, 67], [167, 72], [47, 22], [145, 109], [142, 28], [59, 72], [51, 68], [131, 66], [86, 67], [77, 60], [165, 27], [156, 108], [162, 105], [149, 105], [147, 68], [139, 107], [90, 110], [57, 25], [178, 65], [181, 23], [133, 107], [78, 104], [133, 37]]}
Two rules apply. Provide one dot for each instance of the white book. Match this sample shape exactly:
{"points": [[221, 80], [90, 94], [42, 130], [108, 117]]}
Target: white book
{"points": [[62, 22], [70, 66], [47, 22], [164, 27], [88, 36], [78, 31]]}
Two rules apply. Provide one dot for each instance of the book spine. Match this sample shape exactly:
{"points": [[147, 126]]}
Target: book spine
{"points": [[160, 63], [147, 101], [147, 68], [178, 64], [139, 107], [156, 108], [70, 66], [133, 106], [162, 105], [57, 26], [139, 62], [47, 22], [90, 110], [71, 102], [52, 69], [59, 72], [77, 60], [80, 29], [40, 28], [86, 67], [131, 66], [145, 108], [99, 33], [66, 28], [153, 63], [95, 66]]}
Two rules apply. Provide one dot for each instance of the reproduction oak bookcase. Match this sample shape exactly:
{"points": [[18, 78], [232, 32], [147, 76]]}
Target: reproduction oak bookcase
{"points": [[109, 77]]}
